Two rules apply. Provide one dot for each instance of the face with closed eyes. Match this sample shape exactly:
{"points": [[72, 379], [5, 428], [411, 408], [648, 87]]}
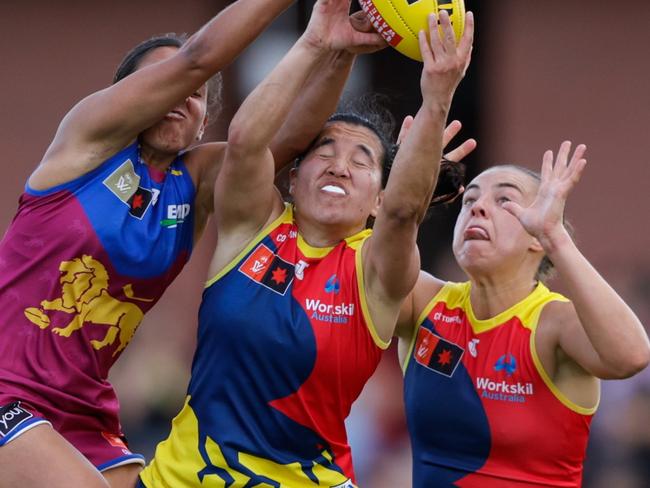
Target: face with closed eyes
{"points": [[182, 125], [338, 183], [487, 236]]}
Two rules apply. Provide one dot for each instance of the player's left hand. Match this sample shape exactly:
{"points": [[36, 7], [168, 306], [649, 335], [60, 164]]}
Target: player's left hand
{"points": [[543, 219], [332, 28]]}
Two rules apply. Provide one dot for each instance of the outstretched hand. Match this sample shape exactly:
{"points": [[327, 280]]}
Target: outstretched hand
{"points": [[455, 156], [445, 62], [543, 218], [332, 28]]}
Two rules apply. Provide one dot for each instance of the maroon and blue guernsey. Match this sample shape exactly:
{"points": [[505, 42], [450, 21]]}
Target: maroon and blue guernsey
{"points": [[80, 265]]}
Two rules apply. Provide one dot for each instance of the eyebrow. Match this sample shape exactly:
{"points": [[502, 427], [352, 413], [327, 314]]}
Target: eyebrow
{"points": [[474, 186], [510, 185], [328, 141]]}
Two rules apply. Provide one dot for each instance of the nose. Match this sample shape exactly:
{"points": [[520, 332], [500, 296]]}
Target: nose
{"points": [[338, 168], [478, 208]]}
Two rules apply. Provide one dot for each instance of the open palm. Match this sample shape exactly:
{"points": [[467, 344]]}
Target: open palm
{"points": [[543, 218]]}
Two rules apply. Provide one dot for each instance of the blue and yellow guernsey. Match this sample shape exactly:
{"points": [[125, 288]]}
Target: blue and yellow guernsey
{"points": [[285, 346]]}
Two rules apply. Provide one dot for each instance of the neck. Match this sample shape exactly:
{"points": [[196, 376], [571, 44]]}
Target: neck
{"points": [[317, 234], [489, 297], [160, 160]]}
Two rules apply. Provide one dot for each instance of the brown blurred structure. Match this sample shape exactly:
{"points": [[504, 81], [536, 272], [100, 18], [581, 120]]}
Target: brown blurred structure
{"points": [[542, 72]]}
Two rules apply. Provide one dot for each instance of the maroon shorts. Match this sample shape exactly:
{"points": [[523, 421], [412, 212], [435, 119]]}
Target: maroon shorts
{"points": [[105, 450]]}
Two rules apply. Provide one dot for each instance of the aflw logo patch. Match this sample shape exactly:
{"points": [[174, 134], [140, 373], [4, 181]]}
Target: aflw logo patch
{"points": [[11, 416], [268, 269], [123, 182], [437, 354]]}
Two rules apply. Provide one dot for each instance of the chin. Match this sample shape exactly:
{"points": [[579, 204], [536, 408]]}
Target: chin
{"points": [[167, 138]]}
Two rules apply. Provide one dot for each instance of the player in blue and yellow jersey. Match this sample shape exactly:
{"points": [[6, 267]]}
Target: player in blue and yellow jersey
{"points": [[501, 374], [106, 222], [302, 297]]}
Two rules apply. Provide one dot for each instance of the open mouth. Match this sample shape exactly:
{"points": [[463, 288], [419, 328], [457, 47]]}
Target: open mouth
{"points": [[175, 115], [476, 233], [333, 189]]}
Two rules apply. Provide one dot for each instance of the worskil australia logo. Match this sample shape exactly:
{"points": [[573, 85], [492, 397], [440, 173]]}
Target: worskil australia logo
{"points": [[436, 353], [324, 311], [268, 269], [84, 296], [504, 390], [328, 312]]}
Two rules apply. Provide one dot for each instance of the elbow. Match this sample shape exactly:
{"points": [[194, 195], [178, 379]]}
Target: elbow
{"points": [[402, 215], [634, 362], [236, 135], [640, 360]]}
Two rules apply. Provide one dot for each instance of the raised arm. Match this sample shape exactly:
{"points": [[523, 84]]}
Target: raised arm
{"points": [[597, 330], [316, 102], [106, 121], [245, 197], [391, 258]]}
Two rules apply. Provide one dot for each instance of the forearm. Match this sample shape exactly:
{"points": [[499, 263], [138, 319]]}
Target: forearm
{"points": [[415, 171], [613, 329], [265, 110], [317, 101], [223, 38]]}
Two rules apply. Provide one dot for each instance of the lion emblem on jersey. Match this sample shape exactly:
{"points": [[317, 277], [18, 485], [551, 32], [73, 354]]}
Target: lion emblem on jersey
{"points": [[84, 295]]}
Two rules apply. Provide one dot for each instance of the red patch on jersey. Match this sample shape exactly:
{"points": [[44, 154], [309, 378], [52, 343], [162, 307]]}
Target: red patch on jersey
{"points": [[279, 275], [268, 269], [436, 353], [114, 440], [257, 264]]}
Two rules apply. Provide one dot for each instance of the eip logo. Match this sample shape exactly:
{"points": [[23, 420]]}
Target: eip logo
{"points": [[333, 285], [506, 363]]}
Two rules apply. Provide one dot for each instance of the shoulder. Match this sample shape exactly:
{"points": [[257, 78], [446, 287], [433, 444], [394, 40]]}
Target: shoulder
{"points": [[558, 311], [426, 288], [203, 162], [556, 317]]}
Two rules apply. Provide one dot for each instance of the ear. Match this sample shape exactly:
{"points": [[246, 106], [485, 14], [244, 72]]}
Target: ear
{"points": [[378, 200], [293, 174], [535, 246], [204, 124]]}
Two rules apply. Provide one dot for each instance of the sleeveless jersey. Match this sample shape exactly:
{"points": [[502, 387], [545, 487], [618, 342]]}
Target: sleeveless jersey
{"points": [[481, 410], [79, 266], [285, 346]]}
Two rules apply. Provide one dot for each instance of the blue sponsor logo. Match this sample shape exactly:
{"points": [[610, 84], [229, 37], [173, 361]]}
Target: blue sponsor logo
{"points": [[506, 363], [332, 285]]}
